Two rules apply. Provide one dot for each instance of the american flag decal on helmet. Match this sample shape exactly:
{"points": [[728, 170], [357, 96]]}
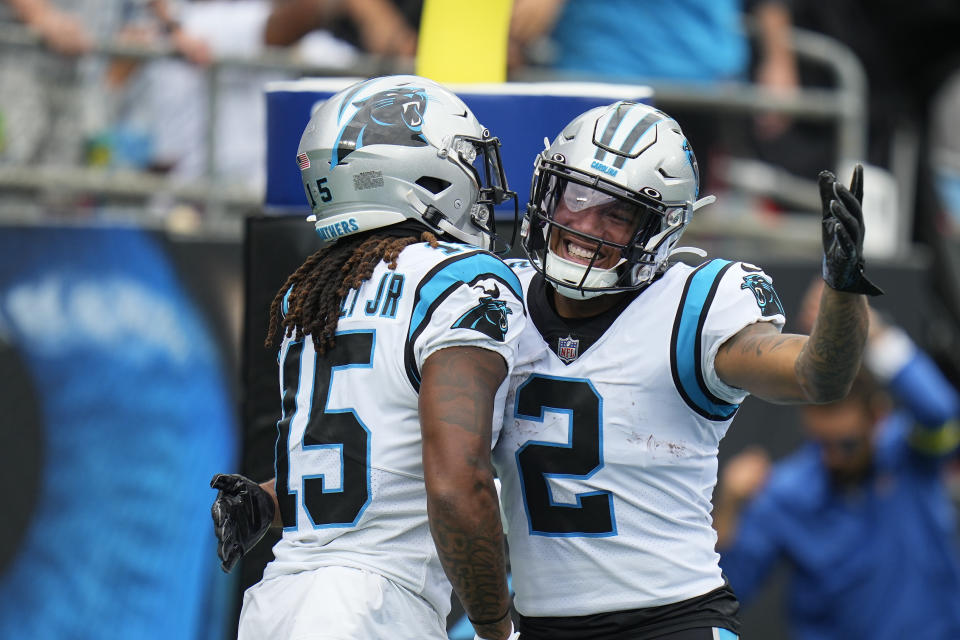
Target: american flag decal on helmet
{"points": [[303, 161]]}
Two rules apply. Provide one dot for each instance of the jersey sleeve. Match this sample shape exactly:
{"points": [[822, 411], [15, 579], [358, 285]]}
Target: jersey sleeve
{"points": [[744, 295], [929, 405], [473, 300]]}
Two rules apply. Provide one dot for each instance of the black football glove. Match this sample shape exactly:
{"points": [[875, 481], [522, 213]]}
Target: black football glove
{"points": [[843, 234], [242, 513]]}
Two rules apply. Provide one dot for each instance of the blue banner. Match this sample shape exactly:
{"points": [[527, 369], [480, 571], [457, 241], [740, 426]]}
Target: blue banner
{"points": [[521, 115], [135, 417]]}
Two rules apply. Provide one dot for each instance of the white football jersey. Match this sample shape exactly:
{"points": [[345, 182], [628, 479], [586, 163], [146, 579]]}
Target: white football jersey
{"points": [[349, 464], [608, 454]]}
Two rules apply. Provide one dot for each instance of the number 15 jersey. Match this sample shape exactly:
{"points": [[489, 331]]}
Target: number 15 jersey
{"points": [[608, 453], [349, 464]]}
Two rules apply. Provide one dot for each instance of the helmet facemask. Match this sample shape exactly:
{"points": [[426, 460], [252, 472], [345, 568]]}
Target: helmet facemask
{"points": [[633, 231], [481, 157]]}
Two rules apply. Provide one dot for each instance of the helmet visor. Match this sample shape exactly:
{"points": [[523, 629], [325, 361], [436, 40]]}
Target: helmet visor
{"points": [[594, 224]]}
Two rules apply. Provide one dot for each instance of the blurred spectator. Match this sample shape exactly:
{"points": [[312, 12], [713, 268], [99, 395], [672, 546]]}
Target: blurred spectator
{"points": [[72, 32], [379, 27], [63, 32], [170, 99], [684, 41], [52, 106], [861, 514]]}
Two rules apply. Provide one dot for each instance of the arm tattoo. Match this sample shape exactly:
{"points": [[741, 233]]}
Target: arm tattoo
{"points": [[465, 517], [460, 404], [757, 344], [831, 357], [473, 554]]}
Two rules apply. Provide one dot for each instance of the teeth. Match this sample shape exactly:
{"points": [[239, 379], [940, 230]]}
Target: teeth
{"points": [[579, 252]]}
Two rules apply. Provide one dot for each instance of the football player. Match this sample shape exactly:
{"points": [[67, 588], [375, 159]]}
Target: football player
{"points": [[629, 373], [395, 339]]}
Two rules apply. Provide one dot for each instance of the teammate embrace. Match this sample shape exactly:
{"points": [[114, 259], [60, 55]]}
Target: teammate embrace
{"points": [[622, 369]]}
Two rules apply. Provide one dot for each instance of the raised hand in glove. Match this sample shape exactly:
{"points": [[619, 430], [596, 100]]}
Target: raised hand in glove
{"points": [[843, 234], [242, 513]]}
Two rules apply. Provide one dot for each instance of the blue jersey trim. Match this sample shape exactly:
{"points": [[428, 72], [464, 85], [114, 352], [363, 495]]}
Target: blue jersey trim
{"points": [[685, 349], [440, 282]]}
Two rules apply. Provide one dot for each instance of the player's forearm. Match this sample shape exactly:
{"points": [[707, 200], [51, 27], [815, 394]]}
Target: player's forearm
{"points": [[457, 393], [290, 20], [831, 356], [466, 528], [773, 19], [30, 11]]}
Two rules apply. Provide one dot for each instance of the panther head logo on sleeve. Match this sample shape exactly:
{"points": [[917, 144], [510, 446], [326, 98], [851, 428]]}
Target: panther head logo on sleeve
{"points": [[388, 117], [489, 317], [767, 298]]}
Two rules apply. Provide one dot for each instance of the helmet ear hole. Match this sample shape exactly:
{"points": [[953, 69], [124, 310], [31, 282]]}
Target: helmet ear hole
{"points": [[432, 184]]}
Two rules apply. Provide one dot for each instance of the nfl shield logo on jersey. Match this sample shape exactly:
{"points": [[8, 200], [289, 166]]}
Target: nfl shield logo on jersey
{"points": [[568, 348]]}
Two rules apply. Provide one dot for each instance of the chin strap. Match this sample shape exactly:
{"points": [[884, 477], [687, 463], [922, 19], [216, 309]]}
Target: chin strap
{"points": [[704, 201], [699, 204], [653, 244], [694, 250], [437, 220]]}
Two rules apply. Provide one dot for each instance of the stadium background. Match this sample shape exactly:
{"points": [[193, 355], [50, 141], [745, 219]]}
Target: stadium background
{"points": [[133, 305]]}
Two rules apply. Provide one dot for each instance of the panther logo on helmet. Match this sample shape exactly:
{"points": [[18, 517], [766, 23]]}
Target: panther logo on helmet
{"points": [[394, 116]]}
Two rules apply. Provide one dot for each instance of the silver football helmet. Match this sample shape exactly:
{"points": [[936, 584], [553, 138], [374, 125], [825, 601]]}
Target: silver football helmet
{"points": [[629, 168], [395, 148]]}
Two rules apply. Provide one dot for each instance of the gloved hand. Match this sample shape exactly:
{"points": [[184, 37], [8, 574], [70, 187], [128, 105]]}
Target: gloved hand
{"points": [[242, 513], [843, 234]]}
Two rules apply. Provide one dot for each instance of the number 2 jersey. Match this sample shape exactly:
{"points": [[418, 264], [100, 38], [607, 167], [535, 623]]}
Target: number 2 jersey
{"points": [[608, 454], [349, 465]]}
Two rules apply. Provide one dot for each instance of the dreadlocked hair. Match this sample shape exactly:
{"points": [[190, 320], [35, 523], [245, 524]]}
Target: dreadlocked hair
{"points": [[318, 286]]}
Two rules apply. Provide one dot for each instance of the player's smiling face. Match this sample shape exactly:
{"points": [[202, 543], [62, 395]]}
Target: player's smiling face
{"points": [[589, 212]]}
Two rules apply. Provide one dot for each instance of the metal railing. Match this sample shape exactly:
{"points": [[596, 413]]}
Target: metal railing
{"points": [[844, 105]]}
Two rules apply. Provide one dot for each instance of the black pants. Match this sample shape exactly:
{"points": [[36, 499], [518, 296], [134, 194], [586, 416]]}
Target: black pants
{"points": [[692, 619]]}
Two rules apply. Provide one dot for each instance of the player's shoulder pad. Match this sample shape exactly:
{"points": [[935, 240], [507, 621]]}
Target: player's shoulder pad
{"points": [[469, 267]]}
